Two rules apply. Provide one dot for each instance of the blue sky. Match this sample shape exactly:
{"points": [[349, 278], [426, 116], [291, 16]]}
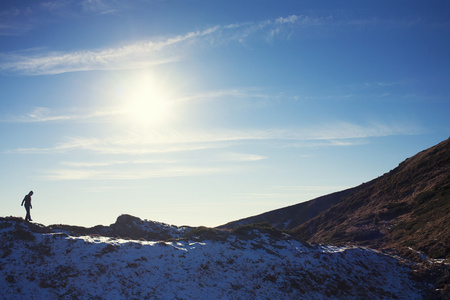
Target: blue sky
{"points": [[203, 112]]}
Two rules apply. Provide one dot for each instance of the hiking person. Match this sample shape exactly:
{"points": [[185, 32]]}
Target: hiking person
{"points": [[28, 206]]}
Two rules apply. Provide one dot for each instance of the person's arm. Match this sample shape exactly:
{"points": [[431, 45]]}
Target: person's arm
{"points": [[23, 201]]}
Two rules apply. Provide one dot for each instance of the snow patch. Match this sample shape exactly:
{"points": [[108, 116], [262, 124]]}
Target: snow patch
{"points": [[62, 266]]}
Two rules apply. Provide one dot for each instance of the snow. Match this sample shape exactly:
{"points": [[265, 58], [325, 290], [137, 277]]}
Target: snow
{"points": [[61, 266]]}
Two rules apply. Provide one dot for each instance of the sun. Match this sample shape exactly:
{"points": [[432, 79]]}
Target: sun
{"points": [[146, 101]]}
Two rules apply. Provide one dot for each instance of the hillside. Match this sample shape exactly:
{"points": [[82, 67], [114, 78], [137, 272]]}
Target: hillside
{"points": [[295, 215], [407, 207], [251, 262]]}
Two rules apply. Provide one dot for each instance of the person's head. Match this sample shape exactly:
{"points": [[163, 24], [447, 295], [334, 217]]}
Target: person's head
{"points": [[30, 193]]}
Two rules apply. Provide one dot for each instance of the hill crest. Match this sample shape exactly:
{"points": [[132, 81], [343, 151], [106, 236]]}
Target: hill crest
{"points": [[406, 207]]}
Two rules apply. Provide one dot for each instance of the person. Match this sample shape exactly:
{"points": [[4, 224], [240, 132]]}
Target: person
{"points": [[28, 206]]}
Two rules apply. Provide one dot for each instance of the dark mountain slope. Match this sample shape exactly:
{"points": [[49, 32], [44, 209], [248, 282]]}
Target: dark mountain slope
{"points": [[295, 215], [407, 207]]}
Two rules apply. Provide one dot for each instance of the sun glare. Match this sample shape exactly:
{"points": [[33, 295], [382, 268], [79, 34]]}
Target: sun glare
{"points": [[146, 101]]}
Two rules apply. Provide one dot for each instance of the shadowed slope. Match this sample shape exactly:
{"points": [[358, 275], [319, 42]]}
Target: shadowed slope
{"points": [[407, 207], [295, 215]]}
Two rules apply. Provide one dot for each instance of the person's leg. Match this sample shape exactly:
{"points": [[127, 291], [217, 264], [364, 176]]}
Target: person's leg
{"points": [[28, 216]]}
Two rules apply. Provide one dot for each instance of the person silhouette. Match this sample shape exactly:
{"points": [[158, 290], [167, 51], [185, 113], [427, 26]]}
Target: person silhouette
{"points": [[28, 206]]}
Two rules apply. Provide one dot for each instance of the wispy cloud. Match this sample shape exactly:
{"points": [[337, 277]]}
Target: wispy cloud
{"points": [[20, 17], [165, 141], [137, 55], [99, 6], [80, 164], [148, 168], [327, 143], [44, 114], [96, 174], [156, 154], [290, 24], [162, 50], [241, 99], [147, 52], [240, 157], [128, 145], [11, 23]]}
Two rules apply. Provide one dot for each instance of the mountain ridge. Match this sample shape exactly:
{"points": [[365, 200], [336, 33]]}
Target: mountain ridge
{"points": [[294, 215], [405, 207]]}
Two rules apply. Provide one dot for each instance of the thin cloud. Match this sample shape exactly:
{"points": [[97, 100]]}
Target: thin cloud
{"points": [[241, 157], [117, 145], [145, 53], [239, 98], [98, 6], [158, 142], [92, 174], [327, 143], [44, 114], [10, 23], [213, 95], [80, 164], [21, 17], [292, 23], [137, 55], [155, 51], [337, 134]]}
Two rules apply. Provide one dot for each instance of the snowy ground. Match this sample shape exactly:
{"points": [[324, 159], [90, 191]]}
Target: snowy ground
{"points": [[261, 266]]}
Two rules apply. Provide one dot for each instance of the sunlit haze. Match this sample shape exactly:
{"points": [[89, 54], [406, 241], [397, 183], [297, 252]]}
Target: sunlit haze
{"points": [[204, 112]]}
